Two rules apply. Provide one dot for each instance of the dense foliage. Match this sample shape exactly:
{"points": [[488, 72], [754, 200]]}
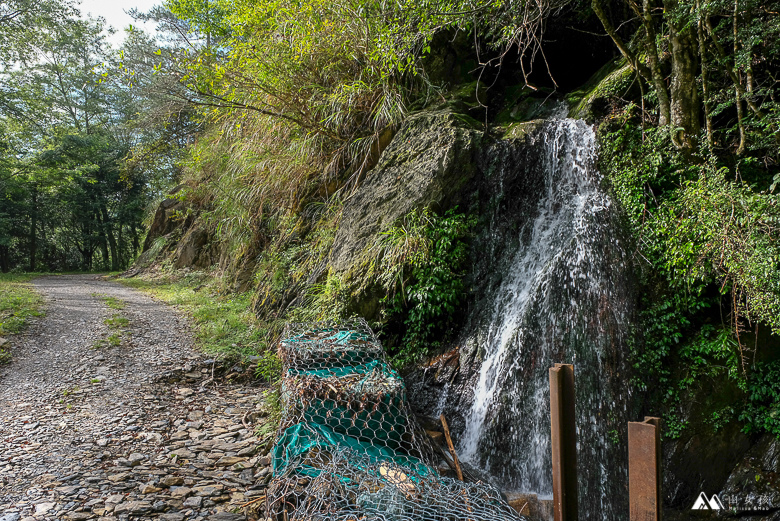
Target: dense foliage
{"points": [[71, 199], [420, 264], [706, 227]]}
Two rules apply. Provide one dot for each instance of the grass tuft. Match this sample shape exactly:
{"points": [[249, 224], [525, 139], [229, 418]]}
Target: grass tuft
{"points": [[116, 321], [18, 303], [112, 302]]}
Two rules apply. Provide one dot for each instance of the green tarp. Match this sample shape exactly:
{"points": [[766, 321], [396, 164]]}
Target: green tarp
{"points": [[300, 439]]}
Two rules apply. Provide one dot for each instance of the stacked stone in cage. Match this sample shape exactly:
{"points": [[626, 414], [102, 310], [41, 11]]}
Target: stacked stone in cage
{"points": [[328, 344], [348, 447], [336, 375]]}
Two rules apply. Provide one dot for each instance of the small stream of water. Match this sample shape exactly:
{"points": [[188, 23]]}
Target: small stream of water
{"points": [[558, 301]]}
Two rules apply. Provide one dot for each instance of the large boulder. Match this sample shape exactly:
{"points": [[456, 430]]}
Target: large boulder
{"points": [[428, 163], [613, 82], [194, 249]]}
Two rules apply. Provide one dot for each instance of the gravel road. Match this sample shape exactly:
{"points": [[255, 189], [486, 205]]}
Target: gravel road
{"points": [[112, 414]]}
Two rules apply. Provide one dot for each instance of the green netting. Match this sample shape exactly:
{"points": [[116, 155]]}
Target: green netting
{"points": [[349, 448], [367, 370], [329, 336], [383, 426], [304, 442]]}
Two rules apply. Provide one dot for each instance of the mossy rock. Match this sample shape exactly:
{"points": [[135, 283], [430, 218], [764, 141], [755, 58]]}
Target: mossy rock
{"points": [[523, 104], [467, 93], [522, 129], [428, 163], [460, 100], [616, 79]]}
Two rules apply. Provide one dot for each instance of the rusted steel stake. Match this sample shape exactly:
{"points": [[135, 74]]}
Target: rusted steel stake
{"points": [[564, 442], [451, 446], [644, 470]]}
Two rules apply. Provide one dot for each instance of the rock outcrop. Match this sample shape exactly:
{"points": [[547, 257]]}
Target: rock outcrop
{"points": [[428, 163], [166, 218]]}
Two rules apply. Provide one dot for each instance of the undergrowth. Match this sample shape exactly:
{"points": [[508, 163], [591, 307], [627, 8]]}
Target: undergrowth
{"points": [[18, 303], [420, 264]]}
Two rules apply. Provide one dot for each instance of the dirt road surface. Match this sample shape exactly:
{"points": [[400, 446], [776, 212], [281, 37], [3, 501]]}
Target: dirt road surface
{"points": [[108, 412]]}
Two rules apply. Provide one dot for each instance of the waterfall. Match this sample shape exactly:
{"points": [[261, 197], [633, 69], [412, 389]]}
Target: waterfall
{"points": [[563, 297]]}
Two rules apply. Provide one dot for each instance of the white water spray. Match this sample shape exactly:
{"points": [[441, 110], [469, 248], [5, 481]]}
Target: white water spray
{"points": [[553, 305]]}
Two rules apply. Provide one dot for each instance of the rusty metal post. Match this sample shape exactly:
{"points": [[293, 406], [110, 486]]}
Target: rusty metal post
{"points": [[564, 442], [644, 470]]}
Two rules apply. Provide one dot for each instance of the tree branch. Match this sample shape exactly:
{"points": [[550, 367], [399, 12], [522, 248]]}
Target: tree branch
{"points": [[630, 57], [730, 70]]}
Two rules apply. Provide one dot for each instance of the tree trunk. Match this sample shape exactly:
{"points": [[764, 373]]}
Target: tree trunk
{"points": [[4, 260], [103, 243], [33, 228], [630, 57], [109, 232], [664, 104], [136, 240], [685, 104], [86, 257], [705, 83], [737, 98], [121, 247]]}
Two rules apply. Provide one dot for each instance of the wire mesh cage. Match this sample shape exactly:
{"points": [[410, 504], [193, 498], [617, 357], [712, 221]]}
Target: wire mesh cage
{"points": [[349, 447], [327, 345]]}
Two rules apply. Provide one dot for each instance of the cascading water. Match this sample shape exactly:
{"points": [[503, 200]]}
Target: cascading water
{"points": [[563, 297]]}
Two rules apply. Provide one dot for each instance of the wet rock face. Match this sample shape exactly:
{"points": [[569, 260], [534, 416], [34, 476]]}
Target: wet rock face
{"points": [[700, 461], [551, 283], [754, 483], [428, 163], [744, 475], [743, 470]]}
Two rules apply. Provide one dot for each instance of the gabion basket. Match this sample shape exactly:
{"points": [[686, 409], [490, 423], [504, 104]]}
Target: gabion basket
{"points": [[348, 446]]}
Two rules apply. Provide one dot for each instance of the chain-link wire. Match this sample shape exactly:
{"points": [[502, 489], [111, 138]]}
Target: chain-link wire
{"points": [[348, 447]]}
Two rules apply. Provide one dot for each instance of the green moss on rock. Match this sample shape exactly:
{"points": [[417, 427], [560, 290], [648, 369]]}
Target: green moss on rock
{"points": [[522, 129], [591, 101]]}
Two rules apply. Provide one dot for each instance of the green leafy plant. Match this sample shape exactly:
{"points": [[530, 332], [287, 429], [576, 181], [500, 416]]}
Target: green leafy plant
{"points": [[269, 367], [69, 391], [272, 408], [761, 413], [665, 322], [421, 263], [718, 419]]}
